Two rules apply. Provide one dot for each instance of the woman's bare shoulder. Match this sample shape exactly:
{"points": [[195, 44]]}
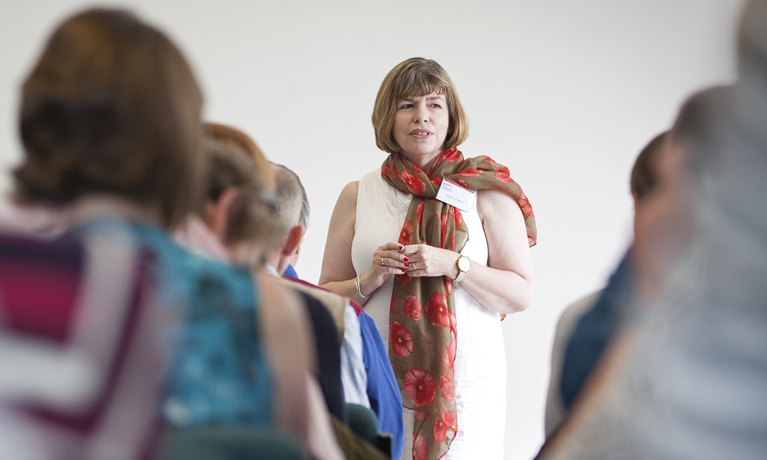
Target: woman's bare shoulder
{"points": [[492, 202], [348, 196]]}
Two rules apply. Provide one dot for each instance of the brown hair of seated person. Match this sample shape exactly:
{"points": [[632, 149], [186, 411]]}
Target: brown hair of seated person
{"points": [[111, 107], [239, 204], [643, 174]]}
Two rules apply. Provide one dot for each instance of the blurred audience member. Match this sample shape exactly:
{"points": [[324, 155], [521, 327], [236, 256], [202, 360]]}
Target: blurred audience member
{"points": [[236, 224], [366, 371], [586, 328], [687, 379], [110, 121]]}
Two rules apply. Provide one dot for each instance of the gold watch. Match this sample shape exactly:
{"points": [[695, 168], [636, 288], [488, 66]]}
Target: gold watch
{"points": [[464, 264]]}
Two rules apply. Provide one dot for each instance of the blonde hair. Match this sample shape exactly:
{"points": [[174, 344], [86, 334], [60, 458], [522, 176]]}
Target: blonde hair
{"points": [[416, 77]]}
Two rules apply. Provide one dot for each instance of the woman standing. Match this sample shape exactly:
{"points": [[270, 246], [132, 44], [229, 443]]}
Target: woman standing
{"points": [[434, 278]]}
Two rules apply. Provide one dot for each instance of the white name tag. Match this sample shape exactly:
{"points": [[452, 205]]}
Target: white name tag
{"points": [[455, 195]]}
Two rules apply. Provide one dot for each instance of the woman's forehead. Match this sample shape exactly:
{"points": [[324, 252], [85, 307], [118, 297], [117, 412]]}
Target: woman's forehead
{"points": [[437, 93]]}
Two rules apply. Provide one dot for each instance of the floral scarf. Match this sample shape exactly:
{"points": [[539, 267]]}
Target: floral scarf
{"points": [[422, 330]]}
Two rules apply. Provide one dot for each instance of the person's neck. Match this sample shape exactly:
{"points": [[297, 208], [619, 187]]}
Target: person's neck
{"points": [[273, 258]]}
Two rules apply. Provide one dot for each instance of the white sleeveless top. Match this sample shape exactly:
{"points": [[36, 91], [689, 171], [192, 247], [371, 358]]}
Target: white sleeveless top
{"points": [[480, 362]]}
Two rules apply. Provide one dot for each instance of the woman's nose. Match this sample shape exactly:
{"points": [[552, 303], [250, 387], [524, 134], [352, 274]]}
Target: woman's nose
{"points": [[421, 114]]}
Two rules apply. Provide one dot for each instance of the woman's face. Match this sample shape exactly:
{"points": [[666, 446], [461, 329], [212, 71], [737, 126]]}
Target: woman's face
{"points": [[420, 127]]}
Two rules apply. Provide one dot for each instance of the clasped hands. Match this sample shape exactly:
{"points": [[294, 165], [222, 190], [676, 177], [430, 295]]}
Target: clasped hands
{"points": [[414, 260]]}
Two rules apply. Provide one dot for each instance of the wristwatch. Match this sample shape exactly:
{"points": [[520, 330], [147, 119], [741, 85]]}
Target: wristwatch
{"points": [[464, 264]]}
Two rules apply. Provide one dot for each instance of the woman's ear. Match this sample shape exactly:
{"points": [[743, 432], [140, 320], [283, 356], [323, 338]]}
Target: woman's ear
{"points": [[217, 212]]}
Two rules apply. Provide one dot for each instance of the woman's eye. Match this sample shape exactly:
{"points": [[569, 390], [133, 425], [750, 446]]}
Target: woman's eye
{"points": [[405, 106], [436, 106]]}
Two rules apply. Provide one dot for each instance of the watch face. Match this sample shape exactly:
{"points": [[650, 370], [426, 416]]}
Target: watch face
{"points": [[464, 264]]}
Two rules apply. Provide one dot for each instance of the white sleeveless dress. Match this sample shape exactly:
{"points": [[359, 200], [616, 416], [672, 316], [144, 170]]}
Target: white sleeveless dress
{"points": [[480, 362]]}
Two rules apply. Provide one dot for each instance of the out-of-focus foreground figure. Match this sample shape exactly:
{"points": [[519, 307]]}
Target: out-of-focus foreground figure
{"points": [[114, 328], [688, 379]]}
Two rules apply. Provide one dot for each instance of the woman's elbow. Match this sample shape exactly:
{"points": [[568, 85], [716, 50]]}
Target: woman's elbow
{"points": [[523, 296]]}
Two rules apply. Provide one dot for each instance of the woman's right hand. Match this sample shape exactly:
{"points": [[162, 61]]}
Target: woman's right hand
{"points": [[388, 260]]}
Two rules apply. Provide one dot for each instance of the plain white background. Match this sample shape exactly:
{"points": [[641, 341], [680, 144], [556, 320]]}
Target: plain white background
{"points": [[564, 93]]}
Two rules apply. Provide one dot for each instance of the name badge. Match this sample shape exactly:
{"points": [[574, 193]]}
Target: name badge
{"points": [[455, 195]]}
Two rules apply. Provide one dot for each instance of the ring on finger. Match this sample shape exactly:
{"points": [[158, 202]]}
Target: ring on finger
{"points": [[382, 261], [415, 267]]}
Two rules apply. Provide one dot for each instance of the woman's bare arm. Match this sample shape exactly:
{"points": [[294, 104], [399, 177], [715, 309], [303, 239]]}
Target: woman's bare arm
{"points": [[338, 272]]}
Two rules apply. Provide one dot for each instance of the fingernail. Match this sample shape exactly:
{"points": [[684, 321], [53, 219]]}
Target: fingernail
{"points": [[401, 247], [407, 265], [407, 260]]}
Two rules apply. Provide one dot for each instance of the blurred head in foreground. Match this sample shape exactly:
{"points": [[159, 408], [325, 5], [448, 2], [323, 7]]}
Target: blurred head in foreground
{"points": [[239, 203], [111, 108]]}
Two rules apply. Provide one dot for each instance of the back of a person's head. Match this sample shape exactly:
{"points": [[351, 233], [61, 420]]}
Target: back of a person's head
{"points": [[111, 107], [238, 139], [250, 218], [643, 174], [292, 202], [695, 127]]}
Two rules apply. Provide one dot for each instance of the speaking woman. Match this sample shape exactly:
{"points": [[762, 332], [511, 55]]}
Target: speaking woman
{"points": [[435, 275]]}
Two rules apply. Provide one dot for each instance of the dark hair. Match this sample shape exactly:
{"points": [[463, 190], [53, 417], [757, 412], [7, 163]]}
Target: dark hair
{"points": [[111, 107], [643, 177]]}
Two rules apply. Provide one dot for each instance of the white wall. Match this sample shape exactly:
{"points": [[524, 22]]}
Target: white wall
{"points": [[565, 93]]}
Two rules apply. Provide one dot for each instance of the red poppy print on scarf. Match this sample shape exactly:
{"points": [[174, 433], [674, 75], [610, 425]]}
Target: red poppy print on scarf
{"points": [[503, 177], [436, 310], [462, 183], [386, 170], [444, 229], [401, 340], [420, 447], [451, 156], [413, 183], [404, 279], [413, 307], [419, 211], [420, 415], [450, 353], [406, 234], [449, 422], [392, 304], [469, 173], [436, 181], [527, 210], [420, 387], [455, 213], [448, 285], [446, 388]]}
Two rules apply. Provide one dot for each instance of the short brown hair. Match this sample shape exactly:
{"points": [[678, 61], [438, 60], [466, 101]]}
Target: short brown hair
{"points": [[237, 138], [643, 175], [416, 77], [251, 216], [111, 107]]}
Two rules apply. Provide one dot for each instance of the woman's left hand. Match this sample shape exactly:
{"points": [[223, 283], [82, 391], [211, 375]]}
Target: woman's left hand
{"points": [[427, 260]]}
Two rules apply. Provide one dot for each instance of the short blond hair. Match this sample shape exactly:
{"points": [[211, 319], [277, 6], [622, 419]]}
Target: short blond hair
{"points": [[416, 77]]}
